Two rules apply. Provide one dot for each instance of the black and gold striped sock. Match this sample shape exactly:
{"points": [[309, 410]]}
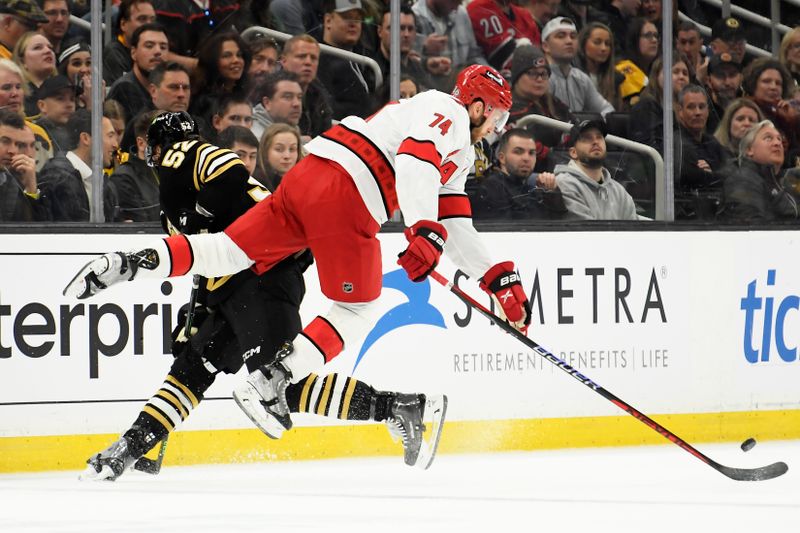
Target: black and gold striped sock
{"points": [[337, 396]]}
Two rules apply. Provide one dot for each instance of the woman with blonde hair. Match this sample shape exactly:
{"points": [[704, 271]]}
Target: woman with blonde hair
{"points": [[739, 117], [789, 53], [279, 150], [36, 58]]}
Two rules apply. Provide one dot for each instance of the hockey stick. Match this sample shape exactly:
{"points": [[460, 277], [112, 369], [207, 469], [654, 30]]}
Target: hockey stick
{"points": [[153, 466], [739, 474]]}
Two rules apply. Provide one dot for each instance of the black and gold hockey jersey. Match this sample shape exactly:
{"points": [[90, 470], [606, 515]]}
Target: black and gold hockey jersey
{"points": [[204, 187]]}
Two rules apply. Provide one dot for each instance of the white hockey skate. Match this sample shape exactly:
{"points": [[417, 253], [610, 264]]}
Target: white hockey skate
{"points": [[418, 421], [262, 397], [109, 464]]}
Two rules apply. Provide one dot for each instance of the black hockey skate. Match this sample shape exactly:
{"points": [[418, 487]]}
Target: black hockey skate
{"points": [[109, 464], [262, 397], [417, 420]]}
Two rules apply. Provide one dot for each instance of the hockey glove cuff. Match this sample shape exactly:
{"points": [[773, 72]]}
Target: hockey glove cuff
{"points": [[504, 285], [426, 241], [109, 269]]}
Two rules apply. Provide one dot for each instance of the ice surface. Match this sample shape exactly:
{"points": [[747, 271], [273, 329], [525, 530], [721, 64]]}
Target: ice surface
{"points": [[643, 489]]}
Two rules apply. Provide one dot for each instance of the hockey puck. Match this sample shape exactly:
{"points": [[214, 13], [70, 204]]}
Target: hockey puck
{"points": [[748, 444]]}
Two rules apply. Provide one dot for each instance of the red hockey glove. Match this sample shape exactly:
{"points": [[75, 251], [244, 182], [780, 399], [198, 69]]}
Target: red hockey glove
{"points": [[504, 285], [425, 244]]}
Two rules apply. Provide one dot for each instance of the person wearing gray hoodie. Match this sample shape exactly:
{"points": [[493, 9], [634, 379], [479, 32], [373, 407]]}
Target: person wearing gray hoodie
{"points": [[588, 189]]}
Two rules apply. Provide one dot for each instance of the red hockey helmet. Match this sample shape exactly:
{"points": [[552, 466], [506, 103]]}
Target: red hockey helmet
{"points": [[479, 82]]}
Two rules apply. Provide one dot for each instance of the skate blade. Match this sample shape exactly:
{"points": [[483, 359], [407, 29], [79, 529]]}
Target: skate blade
{"points": [[435, 411], [249, 401], [91, 474]]}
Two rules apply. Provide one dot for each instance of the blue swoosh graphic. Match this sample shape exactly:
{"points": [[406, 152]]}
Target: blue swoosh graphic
{"points": [[416, 311]]}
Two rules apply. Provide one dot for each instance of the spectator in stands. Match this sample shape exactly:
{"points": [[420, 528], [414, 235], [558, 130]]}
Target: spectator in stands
{"points": [[117, 54], [295, 18], [232, 110], [34, 55], [56, 101], [114, 112], [740, 115], [191, 24], [57, 25], [511, 191], [500, 27], [11, 99], [648, 125], [651, 10], [20, 197], [349, 83], [641, 50], [588, 189], [570, 85], [789, 54], [698, 155], [16, 18], [724, 80], [408, 87], [752, 191], [135, 183], [281, 102], [75, 62], [240, 140], [170, 87], [530, 89], [541, 11], [619, 14], [222, 64], [689, 42], [410, 64], [769, 85], [301, 56], [66, 180], [149, 47], [264, 52], [581, 12], [278, 151], [727, 35], [448, 42], [596, 58]]}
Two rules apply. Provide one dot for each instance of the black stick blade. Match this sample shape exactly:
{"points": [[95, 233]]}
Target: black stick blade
{"points": [[754, 474]]}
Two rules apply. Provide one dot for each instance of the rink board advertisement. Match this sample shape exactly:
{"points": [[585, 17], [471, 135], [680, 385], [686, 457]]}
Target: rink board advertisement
{"points": [[680, 324]]}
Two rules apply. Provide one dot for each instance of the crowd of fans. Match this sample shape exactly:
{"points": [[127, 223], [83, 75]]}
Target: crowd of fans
{"points": [[737, 117]]}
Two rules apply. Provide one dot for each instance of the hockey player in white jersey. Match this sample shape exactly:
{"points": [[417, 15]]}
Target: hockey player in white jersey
{"points": [[412, 155]]}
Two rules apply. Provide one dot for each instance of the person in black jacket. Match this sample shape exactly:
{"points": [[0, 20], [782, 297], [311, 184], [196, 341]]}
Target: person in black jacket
{"points": [[300, 55], [66, 180], [511, 191], [752, 190], [350, 84], [134, 181], [20, 197]]}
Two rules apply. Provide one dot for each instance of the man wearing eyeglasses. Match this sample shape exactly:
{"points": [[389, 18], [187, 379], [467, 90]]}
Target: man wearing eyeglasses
{"points": [[16, 18], [571, 85], [57, 25]]}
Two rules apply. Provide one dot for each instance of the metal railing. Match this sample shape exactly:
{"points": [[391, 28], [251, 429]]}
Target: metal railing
{"points": [[773, 23], [327, 49], [705, 31], [649, 151]]}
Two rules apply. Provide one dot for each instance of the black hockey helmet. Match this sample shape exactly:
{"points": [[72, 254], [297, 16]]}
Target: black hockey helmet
{"points": [[167, 129]]}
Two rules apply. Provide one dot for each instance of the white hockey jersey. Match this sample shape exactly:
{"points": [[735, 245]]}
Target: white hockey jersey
{"points": [[413, 155]]}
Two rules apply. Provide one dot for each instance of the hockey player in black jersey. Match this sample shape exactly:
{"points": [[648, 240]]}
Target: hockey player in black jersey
{"points": [[205, 188]]}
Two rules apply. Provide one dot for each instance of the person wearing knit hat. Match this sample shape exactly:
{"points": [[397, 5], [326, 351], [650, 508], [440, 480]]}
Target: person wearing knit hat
{"points": [[727, 35], [530, 90]]}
